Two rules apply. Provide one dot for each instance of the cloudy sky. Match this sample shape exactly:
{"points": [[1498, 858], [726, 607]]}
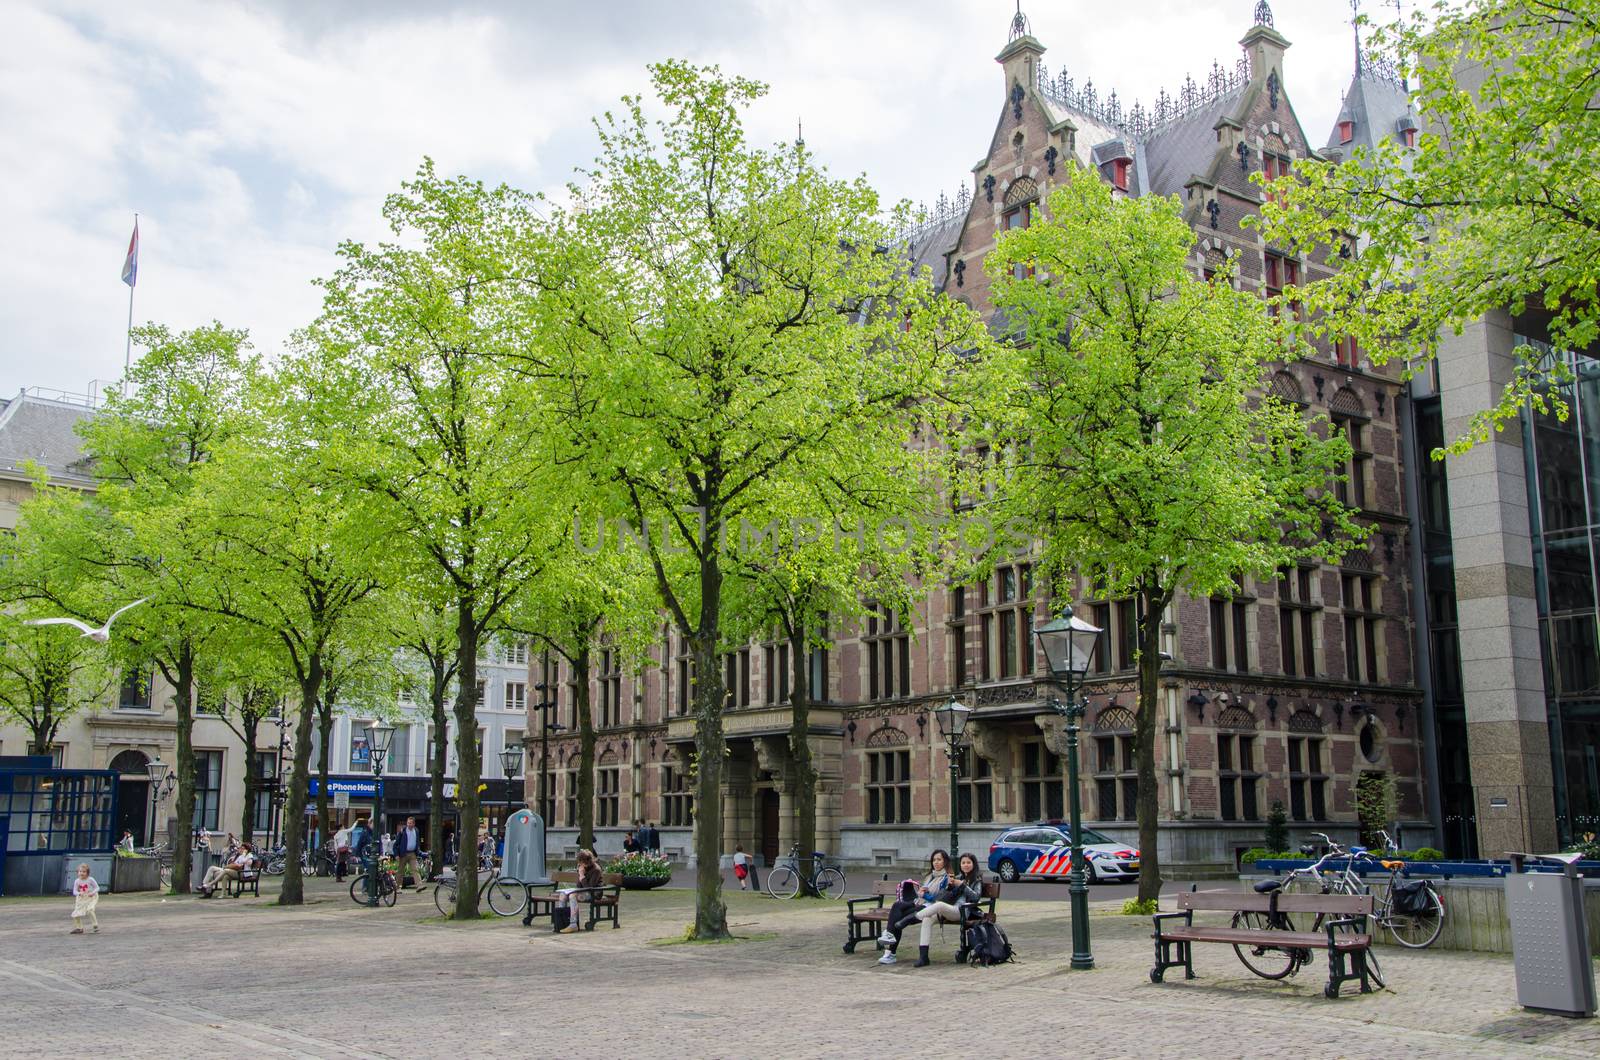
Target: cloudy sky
{"points": [[251, 137]]}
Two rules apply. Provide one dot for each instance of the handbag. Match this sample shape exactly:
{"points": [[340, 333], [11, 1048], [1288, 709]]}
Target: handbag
{"points": [[560, 918]]}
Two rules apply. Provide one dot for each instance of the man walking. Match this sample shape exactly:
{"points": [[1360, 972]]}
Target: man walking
{"points": [[406, 842], [651, 840]]}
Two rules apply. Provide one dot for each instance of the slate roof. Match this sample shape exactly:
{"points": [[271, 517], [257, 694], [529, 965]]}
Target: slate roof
{"points": [[929, 245], [1185, 147], [1378, 103], [43, 431]]}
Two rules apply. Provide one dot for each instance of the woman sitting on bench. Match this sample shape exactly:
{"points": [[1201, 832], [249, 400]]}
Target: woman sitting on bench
{"points": [[962, 890], [589, 875], [903, 913]]}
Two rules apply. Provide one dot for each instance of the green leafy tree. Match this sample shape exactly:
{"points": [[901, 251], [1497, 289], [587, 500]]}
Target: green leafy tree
{"points": [[724, 320], [425, 638], [48, 674], [1495, 209], [246, 687], [420, 380], [1134, 433]]}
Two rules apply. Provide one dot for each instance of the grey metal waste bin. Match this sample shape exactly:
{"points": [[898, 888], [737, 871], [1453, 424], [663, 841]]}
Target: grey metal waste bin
{"points": [[199, 863], [1549, 940]]}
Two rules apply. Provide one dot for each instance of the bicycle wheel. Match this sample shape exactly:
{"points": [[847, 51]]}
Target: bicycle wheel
{"points": [[358, 890], [783, 882], [166, 877], [444, 897], [507, 896], [1374, 973], [830, 884], [1269, 962], [1420, 930], [275, 867]]}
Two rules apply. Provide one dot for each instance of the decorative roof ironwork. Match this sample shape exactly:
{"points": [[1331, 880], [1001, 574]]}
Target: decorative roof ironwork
{"points": [[1263, 13], [928, 219], [1138, 121], [1020, 26]]}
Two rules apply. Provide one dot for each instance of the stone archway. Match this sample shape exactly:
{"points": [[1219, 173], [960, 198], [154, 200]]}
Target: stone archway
{"points": [[133, 795]]}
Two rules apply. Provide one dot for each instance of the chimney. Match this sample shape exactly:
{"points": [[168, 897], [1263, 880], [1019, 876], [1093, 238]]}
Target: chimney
{"points": [[1264, 45]]}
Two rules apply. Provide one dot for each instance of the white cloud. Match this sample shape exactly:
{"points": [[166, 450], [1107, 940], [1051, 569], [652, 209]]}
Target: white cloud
{"points": [[253, 138]]}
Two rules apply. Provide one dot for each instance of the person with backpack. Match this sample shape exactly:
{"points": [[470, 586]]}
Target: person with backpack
{"points": [[913, 896], [962, 889], [341, 852]]}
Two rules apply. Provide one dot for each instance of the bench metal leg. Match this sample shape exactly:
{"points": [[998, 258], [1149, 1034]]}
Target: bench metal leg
{"points": [[1343, 966], [1164, 958]]}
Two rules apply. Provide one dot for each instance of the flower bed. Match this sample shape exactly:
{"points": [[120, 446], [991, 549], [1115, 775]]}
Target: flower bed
{"points": [[640, 871]]}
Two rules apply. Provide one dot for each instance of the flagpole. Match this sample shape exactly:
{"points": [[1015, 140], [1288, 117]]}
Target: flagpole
{"points": [[127, 351]]}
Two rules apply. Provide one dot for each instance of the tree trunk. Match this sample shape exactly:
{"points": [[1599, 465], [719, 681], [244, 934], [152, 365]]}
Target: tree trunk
{"points": [[802, 774], [249, 723], [183, 689], [436, 765], [294, 809], [710, 913], [1153, 604], [468, 765], [580, 676], [325, 747]]}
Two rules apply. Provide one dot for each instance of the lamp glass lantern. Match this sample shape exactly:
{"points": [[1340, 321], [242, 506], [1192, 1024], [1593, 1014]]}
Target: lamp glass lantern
{"points": [[157, 769], [1068, 643], [952, 719], [511, 762], [379, 737]]}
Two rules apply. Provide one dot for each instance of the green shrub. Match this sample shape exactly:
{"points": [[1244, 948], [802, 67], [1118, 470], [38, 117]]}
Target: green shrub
{"points": [[1139, 907], [1253, 855], [1277, 827], [1428, 854]]}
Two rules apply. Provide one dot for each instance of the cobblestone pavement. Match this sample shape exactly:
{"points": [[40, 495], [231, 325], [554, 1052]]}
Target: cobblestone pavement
{"points": [[183, 977]]}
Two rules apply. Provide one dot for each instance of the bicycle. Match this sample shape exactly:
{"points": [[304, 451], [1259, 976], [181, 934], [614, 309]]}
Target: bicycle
{"points": [[784, 880], [506, 896], [163, 854], [1281, 962], [1420, 927], [388, 888]]}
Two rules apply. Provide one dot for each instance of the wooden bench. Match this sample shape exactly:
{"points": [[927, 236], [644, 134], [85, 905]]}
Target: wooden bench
{"points": [[603, 902], [1344, 931], [248, 878], [866, 918]]}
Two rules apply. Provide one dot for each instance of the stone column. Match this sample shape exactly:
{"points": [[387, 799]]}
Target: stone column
{"points": [[738, 812], [1502, 674]]}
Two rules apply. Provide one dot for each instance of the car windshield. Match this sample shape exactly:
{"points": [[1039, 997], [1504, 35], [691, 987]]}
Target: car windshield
{"points": [[1090, 836]]}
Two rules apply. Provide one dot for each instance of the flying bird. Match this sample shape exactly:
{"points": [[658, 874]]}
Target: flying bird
{"points": [[101, 635]]}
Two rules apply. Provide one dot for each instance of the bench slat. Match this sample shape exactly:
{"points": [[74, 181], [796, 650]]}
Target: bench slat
{"points": [[1311, 940], [1250, 902]]}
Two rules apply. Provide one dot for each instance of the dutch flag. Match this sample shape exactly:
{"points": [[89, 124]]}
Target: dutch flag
{"points": [[130, 267]]}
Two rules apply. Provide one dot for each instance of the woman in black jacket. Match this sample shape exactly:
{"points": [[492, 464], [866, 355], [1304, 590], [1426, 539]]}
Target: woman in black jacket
{"points": [[965, 889]]}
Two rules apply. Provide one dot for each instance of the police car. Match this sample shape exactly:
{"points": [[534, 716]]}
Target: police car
{"points": [[1044, 851]]}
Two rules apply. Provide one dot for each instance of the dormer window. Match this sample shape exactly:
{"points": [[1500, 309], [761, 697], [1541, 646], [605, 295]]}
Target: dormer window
{"points": [[1347, 131], [1119, 174]]}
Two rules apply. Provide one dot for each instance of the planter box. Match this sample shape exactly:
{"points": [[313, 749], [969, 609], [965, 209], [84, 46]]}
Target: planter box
{"points": [[136, 874], [644, 883]]}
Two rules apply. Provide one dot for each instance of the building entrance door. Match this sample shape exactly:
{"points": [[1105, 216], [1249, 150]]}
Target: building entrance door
{"points": [[133, 796], [769, 826]]}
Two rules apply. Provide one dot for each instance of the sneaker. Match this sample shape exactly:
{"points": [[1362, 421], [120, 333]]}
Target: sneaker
{"points": [[887, 938], [76, 931], [888, 958], [95, 929]]}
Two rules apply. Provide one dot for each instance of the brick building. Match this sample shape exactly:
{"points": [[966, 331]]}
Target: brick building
{"points": [[1292, 691]]}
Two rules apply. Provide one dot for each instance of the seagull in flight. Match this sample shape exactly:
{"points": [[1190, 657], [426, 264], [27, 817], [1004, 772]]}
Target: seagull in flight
{"points": [[100, 635]]}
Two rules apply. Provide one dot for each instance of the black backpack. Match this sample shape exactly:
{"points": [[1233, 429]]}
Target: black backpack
{"points": [[987, 944], [1411, 898]]}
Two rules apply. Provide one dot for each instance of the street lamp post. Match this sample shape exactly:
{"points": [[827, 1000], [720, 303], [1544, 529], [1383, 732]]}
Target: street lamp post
{"points": [[161, 783], [1068, 644], [952, 718], [378, 738], [544, 707]]}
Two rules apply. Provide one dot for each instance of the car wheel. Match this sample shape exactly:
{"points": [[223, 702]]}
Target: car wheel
{"points": [[1008, 870]]}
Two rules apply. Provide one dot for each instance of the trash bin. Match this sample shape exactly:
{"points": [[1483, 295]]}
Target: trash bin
{"points": [[1549, 939], [201, 860]]}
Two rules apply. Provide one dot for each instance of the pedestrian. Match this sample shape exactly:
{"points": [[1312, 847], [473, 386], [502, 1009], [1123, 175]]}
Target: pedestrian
{"points": [[126, 842], [741, 867], [589, 876], [406, 842], [85, 896], [231, 869], [341, 852], [651, 840], [962, 888], [630, 844]]}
